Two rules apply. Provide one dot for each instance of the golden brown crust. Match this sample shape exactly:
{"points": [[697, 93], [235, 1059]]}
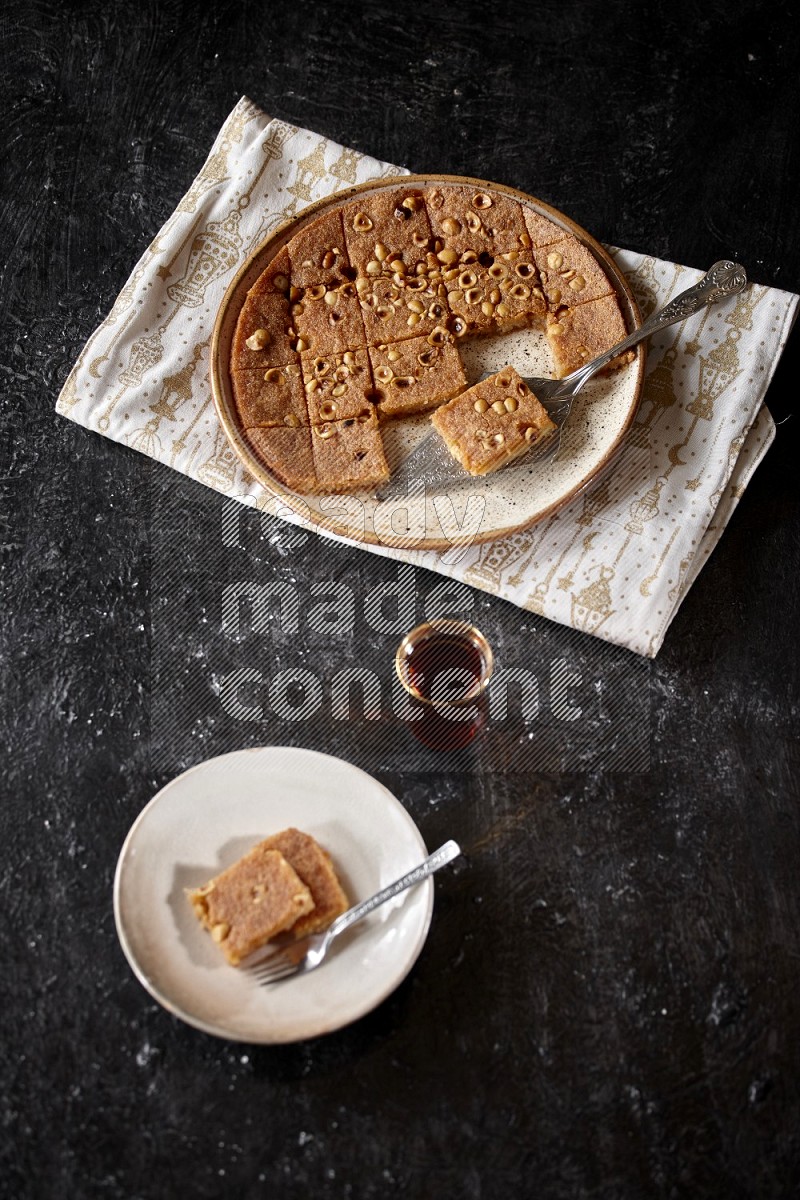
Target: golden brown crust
{"points": [[388, 225], [337, 386], [264, 335], [287, 453], [468, 218], [276, 277], [327, 319], [570, 274], [541, 230], [271, 397], [317, 252]]}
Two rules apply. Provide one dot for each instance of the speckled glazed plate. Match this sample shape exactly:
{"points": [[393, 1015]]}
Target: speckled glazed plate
{"points": [[474, 512], [202, 822]]}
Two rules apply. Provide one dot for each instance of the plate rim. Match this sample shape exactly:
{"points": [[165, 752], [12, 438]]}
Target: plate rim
{"points": [[297, 502], [152, 987]]}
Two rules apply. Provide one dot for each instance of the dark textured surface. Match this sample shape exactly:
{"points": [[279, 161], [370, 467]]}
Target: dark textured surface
{"points": [[607, 1003]]}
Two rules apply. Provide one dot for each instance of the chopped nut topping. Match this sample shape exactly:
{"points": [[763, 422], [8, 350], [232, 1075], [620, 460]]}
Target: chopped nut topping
{"points": [[258, 340]]}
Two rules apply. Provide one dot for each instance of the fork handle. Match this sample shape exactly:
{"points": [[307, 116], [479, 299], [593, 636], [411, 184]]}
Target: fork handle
{"points": [[439, 858], [724, 279]]}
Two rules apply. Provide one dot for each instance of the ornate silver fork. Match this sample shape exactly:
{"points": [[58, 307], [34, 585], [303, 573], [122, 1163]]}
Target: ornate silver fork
{"points": [[308, 953], [431, 466]]}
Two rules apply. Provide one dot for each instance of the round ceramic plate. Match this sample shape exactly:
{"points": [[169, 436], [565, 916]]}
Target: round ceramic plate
{"points": [[479, 510], [210, 816]]}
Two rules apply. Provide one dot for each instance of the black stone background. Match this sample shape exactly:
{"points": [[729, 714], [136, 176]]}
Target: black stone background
{"points": [[607, 1005]]}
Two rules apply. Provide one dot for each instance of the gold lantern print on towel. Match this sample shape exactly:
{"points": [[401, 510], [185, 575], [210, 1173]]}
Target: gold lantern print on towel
{"points": [[216, 170], [645, 508], [592, 605], [176, 390], [717, 370], [215, 250]]}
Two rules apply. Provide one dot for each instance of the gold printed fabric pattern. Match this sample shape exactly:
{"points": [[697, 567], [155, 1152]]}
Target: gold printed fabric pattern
{"points": [[616, 562]]}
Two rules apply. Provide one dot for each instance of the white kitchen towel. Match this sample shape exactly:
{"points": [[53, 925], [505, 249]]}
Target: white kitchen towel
{"points": [[616, 562]]}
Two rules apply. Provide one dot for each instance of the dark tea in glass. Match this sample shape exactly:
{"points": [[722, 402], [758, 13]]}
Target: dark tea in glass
{"points": [[445, 666]]}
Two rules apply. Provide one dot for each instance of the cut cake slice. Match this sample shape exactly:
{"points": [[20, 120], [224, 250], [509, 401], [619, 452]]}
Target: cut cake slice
{"points": [[314, 867], [492, 423], [271, 397], [337, 386], [348, 455], [577, 335], [286, 452], [413, 375], [250, 902]]}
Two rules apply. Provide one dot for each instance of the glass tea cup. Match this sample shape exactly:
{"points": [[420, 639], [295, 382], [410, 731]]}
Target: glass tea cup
{"points": [[445, 666]]}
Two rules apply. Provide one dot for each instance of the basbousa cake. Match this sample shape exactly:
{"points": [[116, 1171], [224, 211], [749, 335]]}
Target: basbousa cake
{"points": [[492, 423], [358, 317], [286, 884]]}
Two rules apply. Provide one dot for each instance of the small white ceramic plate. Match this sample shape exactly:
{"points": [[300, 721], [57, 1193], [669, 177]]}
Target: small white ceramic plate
{"points": [[209, 817]]}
